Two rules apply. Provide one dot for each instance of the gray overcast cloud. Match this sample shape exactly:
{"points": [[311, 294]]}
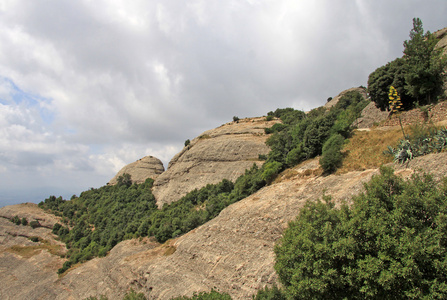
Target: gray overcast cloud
{"points": [[89, 86]]}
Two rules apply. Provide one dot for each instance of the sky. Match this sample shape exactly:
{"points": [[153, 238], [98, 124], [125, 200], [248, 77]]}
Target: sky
{"points": [[87, 87]]}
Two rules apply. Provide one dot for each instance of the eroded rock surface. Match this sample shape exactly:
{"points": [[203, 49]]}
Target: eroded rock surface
{"points": [[232, 253], [142, 169], [29, 258], [221, 153]]}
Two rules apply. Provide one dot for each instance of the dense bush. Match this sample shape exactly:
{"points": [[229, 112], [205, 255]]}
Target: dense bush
{"points": [[16, 220], [302, 136], [390, 244], [379, 82], [34, 224], [418, 76], [332, 157]]}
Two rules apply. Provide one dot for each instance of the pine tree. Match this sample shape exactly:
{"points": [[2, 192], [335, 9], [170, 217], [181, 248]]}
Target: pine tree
{"points": [[424, 63]]}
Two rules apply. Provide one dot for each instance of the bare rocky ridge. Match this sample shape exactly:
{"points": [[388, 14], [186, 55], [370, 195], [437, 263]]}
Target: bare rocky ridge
{"points": [[142, 169], [221, 153]]}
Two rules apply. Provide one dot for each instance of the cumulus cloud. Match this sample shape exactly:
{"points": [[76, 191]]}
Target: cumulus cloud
{"points": [[89, 86]]}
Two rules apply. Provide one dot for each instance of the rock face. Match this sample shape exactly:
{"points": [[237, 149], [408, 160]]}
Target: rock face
{"points": [[142, 169], [221, 153], [442, 44], [29, 258], [442, 36], [233, 253], [371, 115]]}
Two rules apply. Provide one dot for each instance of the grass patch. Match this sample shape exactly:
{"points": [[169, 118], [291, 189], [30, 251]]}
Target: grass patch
{"points": [[365, 149], [169, 250], [29, 251]]}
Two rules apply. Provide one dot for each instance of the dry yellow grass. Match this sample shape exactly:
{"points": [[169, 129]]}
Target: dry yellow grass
{"points": [[29, 251], [365, 149]]}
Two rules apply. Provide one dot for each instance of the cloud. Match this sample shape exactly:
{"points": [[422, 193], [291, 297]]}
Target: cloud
{"points": [[89, 86]]}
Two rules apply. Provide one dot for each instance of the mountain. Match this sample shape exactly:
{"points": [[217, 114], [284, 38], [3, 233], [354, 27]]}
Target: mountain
{"points": [[140, 170], [232, 253], [221, 153]]}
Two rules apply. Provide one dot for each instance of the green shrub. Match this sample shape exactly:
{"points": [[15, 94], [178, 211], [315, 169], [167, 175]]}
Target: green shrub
{"points": [[56, 228], [389, 244], [34, 224], [212, 295], [273, 293], [331, 160], [417, 77], [16, 220], [132, 295], [270, 171], [332, 157], [336, 141]]}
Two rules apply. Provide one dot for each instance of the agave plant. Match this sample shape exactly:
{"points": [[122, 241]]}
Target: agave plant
{"points": [[403, 152], [434, 141]]}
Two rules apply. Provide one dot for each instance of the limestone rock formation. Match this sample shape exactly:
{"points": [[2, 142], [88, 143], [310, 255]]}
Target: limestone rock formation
{"points": [[232, 253], [221, 153], [371, 115], [142, 169]]}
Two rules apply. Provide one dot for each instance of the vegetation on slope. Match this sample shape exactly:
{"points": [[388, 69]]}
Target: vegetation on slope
{"points": [[98, 219], [417, 76], [320, 132], [430, 140], [389, 244]]}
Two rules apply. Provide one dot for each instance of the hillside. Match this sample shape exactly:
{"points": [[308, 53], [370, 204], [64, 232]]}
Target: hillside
{"points": [[234, 251], [221, 153]]}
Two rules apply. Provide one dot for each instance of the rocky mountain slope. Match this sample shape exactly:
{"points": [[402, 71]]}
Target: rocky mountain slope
{"points": [[221, 153], [232, 253], [146, 167]]}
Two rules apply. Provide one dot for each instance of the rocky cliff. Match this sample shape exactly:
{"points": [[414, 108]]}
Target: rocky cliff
{"points": [[221, 153], [142, 169]]}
